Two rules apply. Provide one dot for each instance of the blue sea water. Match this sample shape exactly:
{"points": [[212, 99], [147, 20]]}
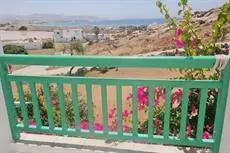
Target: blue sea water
{"points": [[122, 22]]}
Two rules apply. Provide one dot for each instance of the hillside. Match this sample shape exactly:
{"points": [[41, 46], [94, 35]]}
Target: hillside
{"points": [[153, 38]]}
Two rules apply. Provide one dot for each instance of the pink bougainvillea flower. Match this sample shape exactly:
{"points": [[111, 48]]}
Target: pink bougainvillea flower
{"points": [[179, 31], [207, 135], [126, 128], [208, 127], [110, 115], [189, 128], [125, 114], [31, 122], [194, 112], [157, 102], [129, 97], [156, 121], [98, 126], [180, 44], [84, 125], [54, 101], [158, 131]]}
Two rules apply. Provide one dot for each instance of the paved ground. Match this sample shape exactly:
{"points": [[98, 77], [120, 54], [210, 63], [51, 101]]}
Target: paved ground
{"points": [[31, 143]]}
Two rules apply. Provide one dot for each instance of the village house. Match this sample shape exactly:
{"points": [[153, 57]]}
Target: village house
{"points": [[28, 44], [62, 36]]}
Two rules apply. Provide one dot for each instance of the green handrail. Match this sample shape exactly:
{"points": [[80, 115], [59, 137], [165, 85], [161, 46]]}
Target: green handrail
{"points": [[108, 61]]}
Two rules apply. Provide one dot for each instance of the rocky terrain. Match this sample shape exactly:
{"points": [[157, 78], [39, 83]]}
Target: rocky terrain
{"points": [[153, 38]]}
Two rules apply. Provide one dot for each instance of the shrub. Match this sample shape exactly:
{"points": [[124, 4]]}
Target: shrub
{"points": [[23, 28], [14, 49], [83, 112], [47, 45]]}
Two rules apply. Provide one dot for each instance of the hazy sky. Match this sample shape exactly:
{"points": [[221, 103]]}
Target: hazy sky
{"points": [[109, 9]]}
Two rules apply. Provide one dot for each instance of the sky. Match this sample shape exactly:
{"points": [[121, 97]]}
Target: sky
{"points": [[105, 9]]}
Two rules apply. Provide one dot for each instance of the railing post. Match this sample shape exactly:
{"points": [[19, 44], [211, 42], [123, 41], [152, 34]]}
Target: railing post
{"points": [[224, 146], [5, 133]]}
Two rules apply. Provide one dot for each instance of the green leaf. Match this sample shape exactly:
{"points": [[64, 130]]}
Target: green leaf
{"points": [[179, 12]]}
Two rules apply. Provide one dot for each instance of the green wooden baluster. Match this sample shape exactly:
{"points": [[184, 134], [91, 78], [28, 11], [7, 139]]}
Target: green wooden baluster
{"points": [[202, 113], [150, 110], [62, 106], [184, 113], [22, 104], [104, 107], [75, 107], [49, 105], [90, 107], [9, 101], [135, 111], [119, 109], [167, 113], [35, 104]]}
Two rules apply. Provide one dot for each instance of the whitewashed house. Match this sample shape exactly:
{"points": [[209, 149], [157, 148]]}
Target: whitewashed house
{"points": [[62, 36], [28, 44]]}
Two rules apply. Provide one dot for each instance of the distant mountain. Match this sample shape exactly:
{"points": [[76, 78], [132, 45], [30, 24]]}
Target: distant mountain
{"points": [[43, 18]]}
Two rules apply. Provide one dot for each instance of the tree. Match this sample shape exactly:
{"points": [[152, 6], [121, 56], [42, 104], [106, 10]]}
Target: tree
{"points": [[47, 44], [23, 28], [76, 48], [96, 31], [14, 49]]}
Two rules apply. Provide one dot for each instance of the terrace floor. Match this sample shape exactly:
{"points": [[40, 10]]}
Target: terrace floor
{"points": [[31, 143]]}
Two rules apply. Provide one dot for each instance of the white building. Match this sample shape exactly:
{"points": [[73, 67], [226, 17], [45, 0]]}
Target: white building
{"points": [[68, 35], [28, 44], [61, 36]]}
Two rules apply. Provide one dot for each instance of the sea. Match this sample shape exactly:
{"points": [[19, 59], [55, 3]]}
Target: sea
{"points": [[122, 22]]}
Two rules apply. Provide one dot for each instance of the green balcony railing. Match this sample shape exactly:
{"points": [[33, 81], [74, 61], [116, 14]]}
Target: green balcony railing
{"points": [[128, 62]]}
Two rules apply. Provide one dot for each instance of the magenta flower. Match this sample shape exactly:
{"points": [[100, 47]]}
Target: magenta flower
{"points": [[31, 122], [54, 101], [98, 126], [207, 135], [188, 128], [110, 115], [179, 31], [126, 128], [158, 131], [125, 114], [84, 125], [180, 44], [156, 121], [208, 127]]}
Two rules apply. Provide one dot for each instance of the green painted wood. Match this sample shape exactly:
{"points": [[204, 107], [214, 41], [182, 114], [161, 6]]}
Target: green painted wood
{"points": [[35, 104], [202, 113], [150, 110], [113, 61], [76, 107], [119, 109], [167, 112], [184, 113], [104, 107], [135, 111], [48, 105], [123, 81], [126, 136], [220, 112], [22, 104], [9, 101], [90, 107], [61, 100]]}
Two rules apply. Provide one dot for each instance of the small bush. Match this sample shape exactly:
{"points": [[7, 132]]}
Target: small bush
{"points": [[23, 28], [47, 45], [14, 49]]}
